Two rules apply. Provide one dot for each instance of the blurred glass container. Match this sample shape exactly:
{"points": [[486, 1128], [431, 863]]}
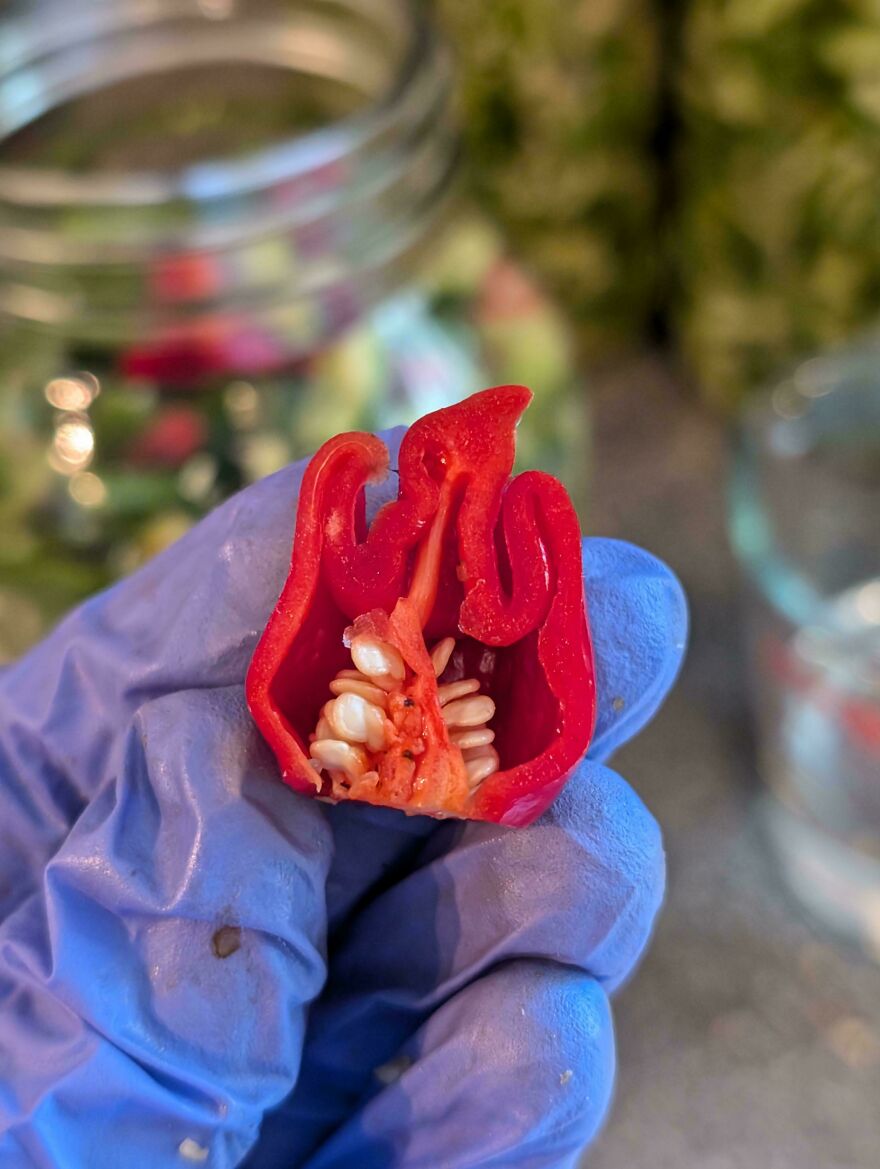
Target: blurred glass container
{"points": [[229, 230], [806, 525]]}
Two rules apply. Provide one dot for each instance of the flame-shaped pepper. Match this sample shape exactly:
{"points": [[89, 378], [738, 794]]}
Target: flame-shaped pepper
{"points": [[439, 660]]}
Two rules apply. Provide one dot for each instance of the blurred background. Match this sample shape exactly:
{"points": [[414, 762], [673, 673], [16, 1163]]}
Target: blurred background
{"points": [[232, 228]]}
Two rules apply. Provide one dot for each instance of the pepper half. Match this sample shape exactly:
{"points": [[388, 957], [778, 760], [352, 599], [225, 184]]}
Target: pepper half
{"points": [[438, 660]]}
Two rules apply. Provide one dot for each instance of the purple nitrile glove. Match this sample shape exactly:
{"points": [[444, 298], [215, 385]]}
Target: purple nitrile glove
{"points": [[167, 902]]}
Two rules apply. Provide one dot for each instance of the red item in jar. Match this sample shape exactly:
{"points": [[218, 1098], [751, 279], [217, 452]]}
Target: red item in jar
{"points": [[173, 435], [193, 358], [180, 360], [438, 661], [192, 276]]}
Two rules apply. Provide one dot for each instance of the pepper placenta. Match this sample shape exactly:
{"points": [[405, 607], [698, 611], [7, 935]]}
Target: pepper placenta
{"points": [[437, 660]]}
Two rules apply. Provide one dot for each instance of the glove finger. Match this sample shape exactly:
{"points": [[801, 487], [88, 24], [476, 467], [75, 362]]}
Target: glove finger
{"points": [[187, 620], [638, 620], [581, 887], [516, 1070], [162, 974]]}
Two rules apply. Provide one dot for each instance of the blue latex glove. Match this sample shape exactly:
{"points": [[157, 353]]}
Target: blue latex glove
{"points": [[167, 904]]}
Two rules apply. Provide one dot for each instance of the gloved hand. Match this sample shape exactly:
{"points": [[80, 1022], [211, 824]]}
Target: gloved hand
{"points": [[168, 905]]}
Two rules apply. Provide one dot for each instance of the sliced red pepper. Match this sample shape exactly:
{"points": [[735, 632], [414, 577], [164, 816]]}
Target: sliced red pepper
{"points": [[464, 552]]}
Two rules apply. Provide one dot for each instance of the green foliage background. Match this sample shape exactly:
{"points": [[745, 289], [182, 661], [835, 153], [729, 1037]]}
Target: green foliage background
{"points": [[559, 102], [713, 165]]}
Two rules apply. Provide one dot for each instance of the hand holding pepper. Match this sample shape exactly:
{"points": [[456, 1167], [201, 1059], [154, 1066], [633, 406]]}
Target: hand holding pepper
{"points": [[201, 967]]}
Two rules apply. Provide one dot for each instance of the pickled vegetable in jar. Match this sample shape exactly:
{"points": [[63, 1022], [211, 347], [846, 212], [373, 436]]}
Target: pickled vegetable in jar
{"points": [[226, 234]]}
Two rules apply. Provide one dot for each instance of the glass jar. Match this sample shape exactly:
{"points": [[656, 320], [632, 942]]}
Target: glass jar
{"points": [[229, 230], [806, 526]]}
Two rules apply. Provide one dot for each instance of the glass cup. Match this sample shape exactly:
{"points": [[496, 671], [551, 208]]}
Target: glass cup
{"points": [[805, 523]]}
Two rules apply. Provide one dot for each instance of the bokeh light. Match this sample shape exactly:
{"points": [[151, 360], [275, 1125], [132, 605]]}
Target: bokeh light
{"points": [[87, 489], [242, 403], [868, 602], [73, 446], [73, 393], [197, 477]]}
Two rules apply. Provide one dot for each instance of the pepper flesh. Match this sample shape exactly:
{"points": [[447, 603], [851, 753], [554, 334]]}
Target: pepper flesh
{"points": [[464, 551]]}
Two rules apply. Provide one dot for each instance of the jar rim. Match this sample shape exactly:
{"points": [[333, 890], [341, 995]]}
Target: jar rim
{"points": [[329, 215], [284, 160]]}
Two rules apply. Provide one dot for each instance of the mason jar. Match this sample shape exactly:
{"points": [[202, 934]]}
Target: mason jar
{"points": [[229, 230]]}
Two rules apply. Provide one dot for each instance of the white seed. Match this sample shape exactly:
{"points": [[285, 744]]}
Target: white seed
{"points": [[441, 653], [469, 712], [376, 658], [336, 755], [337, 729], [365, 689], [376, 740], [478, 737], [480, 768], [357, 721], [454, 690], [484, 751], [356, 676], [323, 730]]}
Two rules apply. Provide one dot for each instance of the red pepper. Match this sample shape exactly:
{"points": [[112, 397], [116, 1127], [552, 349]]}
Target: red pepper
{"points": [[464, 553]]}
